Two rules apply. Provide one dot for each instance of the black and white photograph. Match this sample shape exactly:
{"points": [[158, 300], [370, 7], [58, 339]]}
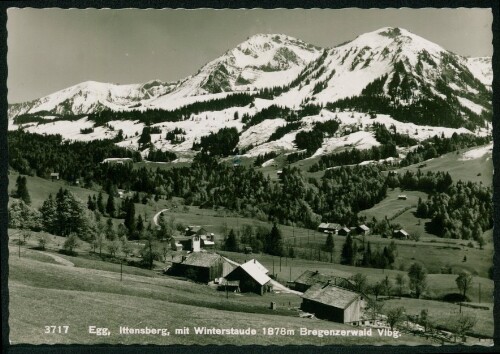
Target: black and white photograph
{"points": [[250, 177]]}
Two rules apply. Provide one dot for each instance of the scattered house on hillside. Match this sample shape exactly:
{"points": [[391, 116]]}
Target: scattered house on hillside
{"points": [[189, 243], [248, 250], [54, 176], [363, 230], [309, 278], [279, 173], [201, 266], [195, 239], [252, 277], [329, 227], [331, 302], [344, 231], [195, 230], [402, 197], [118, 160], [207, 241], [400, 234]]}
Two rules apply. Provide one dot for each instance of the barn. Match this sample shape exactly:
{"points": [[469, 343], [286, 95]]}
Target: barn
{"points": [[400, 234], [333, 303], [328, 227], [202, 267], [363, 230], [309, 278], [344, 231], [252, 277], [195, 230]]}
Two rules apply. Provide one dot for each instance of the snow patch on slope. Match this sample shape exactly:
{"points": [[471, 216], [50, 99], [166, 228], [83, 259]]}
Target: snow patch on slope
{"points": [[477, 153]]}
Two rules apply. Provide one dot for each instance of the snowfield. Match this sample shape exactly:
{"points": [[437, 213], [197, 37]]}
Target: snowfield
{"points": [[477, 153], [271, 60]]}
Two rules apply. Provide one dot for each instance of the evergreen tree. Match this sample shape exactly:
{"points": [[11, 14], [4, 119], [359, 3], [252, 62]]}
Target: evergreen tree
{"points": [[367, 256], [110, 230], [274, 242], [49, 216], [110, 206], [329, 246], [231, 243], [22, 190], [91, 205], [100, 203], [130, 217], [348, 252]]}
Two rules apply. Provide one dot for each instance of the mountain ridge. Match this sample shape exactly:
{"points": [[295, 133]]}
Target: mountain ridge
{"points": [[390, 72]]}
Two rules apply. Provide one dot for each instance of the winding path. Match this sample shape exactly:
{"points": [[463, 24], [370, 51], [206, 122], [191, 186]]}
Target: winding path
{"points": [[58, 259], [155, 218]]}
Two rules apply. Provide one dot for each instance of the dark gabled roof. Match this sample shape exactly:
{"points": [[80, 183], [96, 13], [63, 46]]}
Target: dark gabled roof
{"points": [[196, 228], [199, 259], [331, 295], [331, 225], [310, 278]]}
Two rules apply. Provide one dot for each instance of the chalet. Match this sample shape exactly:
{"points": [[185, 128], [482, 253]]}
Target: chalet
{"points": [[54, 176], [202, 267], [400, 234], [363, 230], [193, 242], [329, 227], [402, 197], [207, 241], [190, 243], [118, 160], [309, 278], [195, 230], [331, 302], [344, 231], [252, 277]]}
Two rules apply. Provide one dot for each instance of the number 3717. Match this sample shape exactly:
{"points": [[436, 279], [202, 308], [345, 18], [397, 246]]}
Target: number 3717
{"points": [[56, 329]]}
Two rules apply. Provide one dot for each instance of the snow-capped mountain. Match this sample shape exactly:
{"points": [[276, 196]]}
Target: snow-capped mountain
{"points": [[261, 61], [404, 80]]}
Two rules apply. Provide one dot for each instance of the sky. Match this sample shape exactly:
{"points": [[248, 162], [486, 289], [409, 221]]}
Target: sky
{"points": [[51, 49]]}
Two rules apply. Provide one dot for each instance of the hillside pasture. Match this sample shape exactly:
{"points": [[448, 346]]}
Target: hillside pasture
{"points": [[86, 297]]}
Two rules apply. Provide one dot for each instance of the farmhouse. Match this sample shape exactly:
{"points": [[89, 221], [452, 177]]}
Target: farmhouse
{"points": [[201, 266], [54, 175], [117, 160], [195, 230], [363, 230], [400, 234], [310, 278], [252, 277], [190, 243], [344, 231], [329, 227], [402, 197], [333, 303]]}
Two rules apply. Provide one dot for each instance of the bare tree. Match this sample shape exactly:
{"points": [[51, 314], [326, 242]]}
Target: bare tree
{"points": [[418, 278], [359, 281], [464, 283], [394, 316], [401, 282], [461, 323], [42, 241]]}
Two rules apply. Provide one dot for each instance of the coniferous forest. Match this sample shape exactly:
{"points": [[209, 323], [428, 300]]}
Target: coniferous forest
{"points": [[338, 196]]}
